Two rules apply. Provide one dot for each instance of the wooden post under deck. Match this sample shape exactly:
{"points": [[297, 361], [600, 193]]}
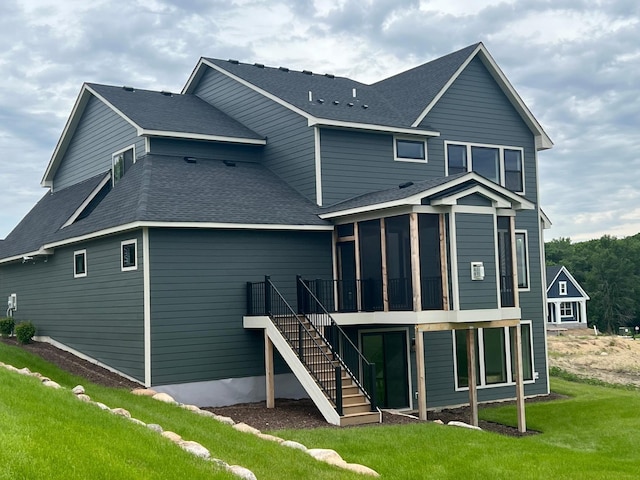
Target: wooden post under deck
{"points": [[516, 332], [422, 385], [268, 367], [471, 368], [385, 276], [415, 262]]}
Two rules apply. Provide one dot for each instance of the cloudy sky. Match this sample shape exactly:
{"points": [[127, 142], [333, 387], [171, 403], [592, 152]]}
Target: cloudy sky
{"points": [[575, 63]]}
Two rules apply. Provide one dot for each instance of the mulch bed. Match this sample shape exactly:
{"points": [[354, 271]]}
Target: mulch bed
{"points": [[287, 414]]}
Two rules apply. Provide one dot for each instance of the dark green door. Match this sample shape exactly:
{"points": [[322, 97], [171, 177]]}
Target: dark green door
{"points": [[388, 350]]}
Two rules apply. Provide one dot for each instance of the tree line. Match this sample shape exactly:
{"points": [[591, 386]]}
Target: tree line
{"points": [[608, 269]]}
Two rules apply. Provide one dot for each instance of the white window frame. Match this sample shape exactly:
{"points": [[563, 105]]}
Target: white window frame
{"points": [[133, 242], [113, 158], [507, 351], [568, 309], [501, 149], [75, 255], [409, 159], [526, 266], [562, 288]]}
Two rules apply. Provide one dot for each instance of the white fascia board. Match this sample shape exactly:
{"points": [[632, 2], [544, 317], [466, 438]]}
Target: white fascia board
{"points": [[543, 142], [573, 280], [517, 202], [546, 222], [496, 200], [200, 136], [36, 253], [321, 122]]}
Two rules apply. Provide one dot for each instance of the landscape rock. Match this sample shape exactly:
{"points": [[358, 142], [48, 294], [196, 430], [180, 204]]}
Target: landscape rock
{"points": [[164, 397], [83, 397], [205, 413], [327, 455], [155, 427], [191, 408], [78, 390], [146, 392], [243, 427], [361, 469], [219, 463], [223, 419], [439, 422], [455, 423], [174, 437], [51, 384], [195, 448], [292, 444], [121, 411], [24, 371], [11, 368], [137, 422], [102, 406], [241, 472], [271, 438]]}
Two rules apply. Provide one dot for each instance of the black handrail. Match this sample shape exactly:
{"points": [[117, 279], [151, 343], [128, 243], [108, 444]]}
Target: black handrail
{"points": [[342, 348], [301, 336]]}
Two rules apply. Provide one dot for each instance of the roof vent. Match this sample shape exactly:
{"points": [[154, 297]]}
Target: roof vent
{"points": [[350, 104], [283, 69], [405, 185], [336, 102], [166, 93], [329, 75], [229, 163], [235, 62], [128, 89], [190, 160], [259, 65], [365, 106], [307, 72], [320, 100]]}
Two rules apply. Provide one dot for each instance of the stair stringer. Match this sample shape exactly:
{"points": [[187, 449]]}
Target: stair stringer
{"points": [[307, 381]]}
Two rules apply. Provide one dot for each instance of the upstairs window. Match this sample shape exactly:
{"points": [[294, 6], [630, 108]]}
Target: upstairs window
{"points": [[502, 165], [563, 288], [522, 259], [80, 263], [122, 162], [406, 150]]}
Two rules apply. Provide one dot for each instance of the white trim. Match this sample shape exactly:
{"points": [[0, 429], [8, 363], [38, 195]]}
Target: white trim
{"points": [[408, 351], [87, 201], [133, 242], [501, 148], [543, 141], [66, 348], [570, 304], [571, 279], [496, 200], [397, 138], [562, 287], [147, 145], [84, 254], [200, 136], [146, 275], [369, 127], [517, 202], [118, 152], [318, 164], [427, 317], [526, 254]]}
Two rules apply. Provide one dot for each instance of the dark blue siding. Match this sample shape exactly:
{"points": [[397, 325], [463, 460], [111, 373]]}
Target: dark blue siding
{"points": [[572, 291], [198, 285], [100, 133], [100, 315], [289, 152], [202, 149]]}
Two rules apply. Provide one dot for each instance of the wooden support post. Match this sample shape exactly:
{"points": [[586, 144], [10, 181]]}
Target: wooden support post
{"points": [[356, 239], [516, 333], [385, 275], [415, 262], [514, 262], [268, 367], [471, 369], [443, 263], [422, 378]]}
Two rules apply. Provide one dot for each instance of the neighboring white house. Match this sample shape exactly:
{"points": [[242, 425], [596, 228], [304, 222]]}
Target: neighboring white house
{"points": [[566, 300]]}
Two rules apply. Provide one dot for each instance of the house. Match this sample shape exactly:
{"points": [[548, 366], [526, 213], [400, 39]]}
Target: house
{"points": [[566, 300], [269, 232]]}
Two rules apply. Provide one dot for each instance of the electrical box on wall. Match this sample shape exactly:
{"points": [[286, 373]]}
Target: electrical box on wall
{"points": [[12, 302], [477, 271]]}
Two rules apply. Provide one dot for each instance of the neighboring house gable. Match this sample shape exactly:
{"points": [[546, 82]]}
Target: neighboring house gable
{"points": [[566, 299]]}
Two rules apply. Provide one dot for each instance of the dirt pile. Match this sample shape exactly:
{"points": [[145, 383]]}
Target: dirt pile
{"points": [[609, 358]]}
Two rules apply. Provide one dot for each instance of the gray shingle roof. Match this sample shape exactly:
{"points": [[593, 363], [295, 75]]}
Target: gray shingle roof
{"points": [[391, 102], [182, 113], [161, 188], [552, 271]]}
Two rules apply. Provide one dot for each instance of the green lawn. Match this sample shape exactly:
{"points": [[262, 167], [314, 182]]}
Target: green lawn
{"points": [[593, 434]]}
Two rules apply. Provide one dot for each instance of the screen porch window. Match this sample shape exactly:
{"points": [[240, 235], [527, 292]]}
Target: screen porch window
{"points": [[80, 263], [522, 260], [410, 150], [121, 162]]}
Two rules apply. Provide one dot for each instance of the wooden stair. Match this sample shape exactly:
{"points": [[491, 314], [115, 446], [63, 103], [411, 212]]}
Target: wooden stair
{"points": [[356, 407]]}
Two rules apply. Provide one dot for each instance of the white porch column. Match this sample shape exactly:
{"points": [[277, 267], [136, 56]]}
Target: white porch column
{"points": [[583, 311], [556, 306]]}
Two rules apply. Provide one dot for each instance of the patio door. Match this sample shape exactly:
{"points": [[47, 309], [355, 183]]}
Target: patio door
{"points": [[388, 350]]}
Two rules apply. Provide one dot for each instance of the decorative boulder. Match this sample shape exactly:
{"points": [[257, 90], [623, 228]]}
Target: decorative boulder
{"points": [[164, 397], [78, 390], [195, 448], [147, 392], [241, 472]]}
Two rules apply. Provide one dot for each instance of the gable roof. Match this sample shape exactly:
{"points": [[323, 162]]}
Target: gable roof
{"points": [[155, 114], [398, 102], [554, 271], [439, 191], [210, 194]]}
